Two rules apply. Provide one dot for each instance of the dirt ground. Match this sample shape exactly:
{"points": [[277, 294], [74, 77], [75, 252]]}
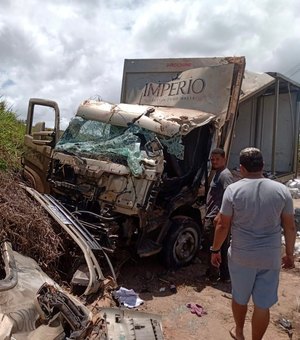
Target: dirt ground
{"points": [[150, 279]]}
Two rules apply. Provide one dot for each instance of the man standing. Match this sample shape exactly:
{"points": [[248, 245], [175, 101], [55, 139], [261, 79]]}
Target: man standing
{"points": [[219, 183], [256, 209]]}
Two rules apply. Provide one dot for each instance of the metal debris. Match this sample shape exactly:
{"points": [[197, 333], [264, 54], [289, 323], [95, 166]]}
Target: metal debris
{"points": [[123, 324], [286, 325], [294, 187]]}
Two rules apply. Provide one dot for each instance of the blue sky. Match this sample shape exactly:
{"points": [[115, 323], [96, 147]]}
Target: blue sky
{"points": [[69, 51]]}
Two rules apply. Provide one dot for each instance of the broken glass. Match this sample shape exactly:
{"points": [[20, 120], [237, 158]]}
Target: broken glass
{"points": [[174, 146], [95, 139]]}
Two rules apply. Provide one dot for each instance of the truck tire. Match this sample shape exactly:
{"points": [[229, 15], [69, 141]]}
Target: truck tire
{"points": [[181, 243]]}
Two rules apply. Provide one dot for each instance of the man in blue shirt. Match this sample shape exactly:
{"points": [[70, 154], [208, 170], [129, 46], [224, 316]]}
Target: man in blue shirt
{"points": [[255, 209]]}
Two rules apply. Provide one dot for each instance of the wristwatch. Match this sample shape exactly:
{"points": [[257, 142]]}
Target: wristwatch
{"points": [[213, 251]]}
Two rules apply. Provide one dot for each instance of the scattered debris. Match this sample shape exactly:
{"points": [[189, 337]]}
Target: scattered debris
{"points": [[163, 280], [286, 325], [297, 245], [53, 303], [28, 311], [116, 323], [297, 219], [294, 187], [127, 297], [173, 289], [162, 289]]}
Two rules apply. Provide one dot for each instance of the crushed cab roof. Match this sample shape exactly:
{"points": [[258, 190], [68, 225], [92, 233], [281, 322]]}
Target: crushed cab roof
{"points": [[167, 121]]}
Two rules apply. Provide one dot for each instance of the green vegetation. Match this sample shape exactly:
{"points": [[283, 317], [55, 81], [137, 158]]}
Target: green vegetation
{"points": [[12, 133]]}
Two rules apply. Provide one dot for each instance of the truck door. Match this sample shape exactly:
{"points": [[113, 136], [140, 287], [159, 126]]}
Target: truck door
{"points": [[42, 134]]}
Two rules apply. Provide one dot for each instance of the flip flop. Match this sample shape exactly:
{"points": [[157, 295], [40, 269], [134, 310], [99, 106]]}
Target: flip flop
{"points": [[232, 334], [196, 309]]}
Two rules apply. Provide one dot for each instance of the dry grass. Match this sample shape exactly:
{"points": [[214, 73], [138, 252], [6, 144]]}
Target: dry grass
{"points": [[26, 225]]}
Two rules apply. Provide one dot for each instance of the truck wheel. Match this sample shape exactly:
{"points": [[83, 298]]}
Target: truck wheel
{"points": [[182, 242]]}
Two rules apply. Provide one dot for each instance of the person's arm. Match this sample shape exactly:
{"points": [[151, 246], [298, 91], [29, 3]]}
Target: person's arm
{"points": [[289, 229], [223, 225]]}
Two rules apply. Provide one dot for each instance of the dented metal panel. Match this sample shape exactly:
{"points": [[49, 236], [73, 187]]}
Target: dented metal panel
{"points": [[124, 324], [162, 120], [20, 315], [192, 89], [140, 73]]}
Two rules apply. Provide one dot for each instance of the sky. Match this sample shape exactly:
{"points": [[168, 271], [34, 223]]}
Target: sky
{"points": [[72, 50]]}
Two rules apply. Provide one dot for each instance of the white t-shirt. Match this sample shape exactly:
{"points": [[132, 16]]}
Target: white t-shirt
{"points": [[256, 206]]}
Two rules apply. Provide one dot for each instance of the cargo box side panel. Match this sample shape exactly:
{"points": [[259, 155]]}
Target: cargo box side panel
{"points": [[136, 71], [254, 127], [244, 131], [286, 139]]}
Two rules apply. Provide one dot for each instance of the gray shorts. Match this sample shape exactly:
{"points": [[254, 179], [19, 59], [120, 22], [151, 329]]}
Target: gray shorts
{"points": [[262, 284]]}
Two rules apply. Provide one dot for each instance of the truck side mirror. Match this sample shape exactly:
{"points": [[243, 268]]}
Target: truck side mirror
{"points": [[40, 134]]}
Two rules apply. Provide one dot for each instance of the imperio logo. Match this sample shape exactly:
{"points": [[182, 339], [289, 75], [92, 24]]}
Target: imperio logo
{"points": [[174, 88]]}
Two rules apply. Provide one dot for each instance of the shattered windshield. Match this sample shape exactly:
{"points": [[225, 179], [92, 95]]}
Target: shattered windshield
{"points": [[103, 141], [122, 145]]}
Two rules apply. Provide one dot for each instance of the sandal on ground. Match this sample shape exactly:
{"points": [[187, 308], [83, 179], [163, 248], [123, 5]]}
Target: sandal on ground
{"points": [[196, 309], [232, 334]]}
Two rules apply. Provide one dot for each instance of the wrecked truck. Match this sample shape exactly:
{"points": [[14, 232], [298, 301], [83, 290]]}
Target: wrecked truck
{"points": [[133, 173]]}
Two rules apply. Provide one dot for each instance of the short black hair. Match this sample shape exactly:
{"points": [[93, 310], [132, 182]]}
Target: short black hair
{"points": [[251, 159], [218, 151]]}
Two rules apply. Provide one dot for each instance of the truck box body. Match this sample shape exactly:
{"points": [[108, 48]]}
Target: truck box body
{"points": [[268, 115]]}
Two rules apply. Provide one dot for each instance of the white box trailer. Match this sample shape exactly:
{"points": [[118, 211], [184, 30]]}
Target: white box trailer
{"points": [[268, 118], [268, 114]]}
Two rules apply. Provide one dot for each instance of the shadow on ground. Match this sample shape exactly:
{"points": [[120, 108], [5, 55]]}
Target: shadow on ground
{"points": [[149, 278]]}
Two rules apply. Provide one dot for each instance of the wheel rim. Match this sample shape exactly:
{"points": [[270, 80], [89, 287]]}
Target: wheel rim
{"points": [[186, 245]]}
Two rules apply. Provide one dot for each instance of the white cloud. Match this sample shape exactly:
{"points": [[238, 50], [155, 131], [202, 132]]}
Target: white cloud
{"points": [[68, 50]]}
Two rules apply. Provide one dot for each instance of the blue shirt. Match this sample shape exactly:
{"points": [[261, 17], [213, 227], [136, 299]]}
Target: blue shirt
{"points": [[219, 183]]}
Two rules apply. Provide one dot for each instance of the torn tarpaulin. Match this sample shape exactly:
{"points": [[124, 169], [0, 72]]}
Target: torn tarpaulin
{"points": [[127, 297]]}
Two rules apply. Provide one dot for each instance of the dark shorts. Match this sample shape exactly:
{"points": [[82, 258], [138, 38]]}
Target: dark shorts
{"points": [[261, 284]]}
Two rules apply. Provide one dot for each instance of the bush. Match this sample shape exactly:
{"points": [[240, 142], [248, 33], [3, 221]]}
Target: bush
{"points": [[12, 133]]}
